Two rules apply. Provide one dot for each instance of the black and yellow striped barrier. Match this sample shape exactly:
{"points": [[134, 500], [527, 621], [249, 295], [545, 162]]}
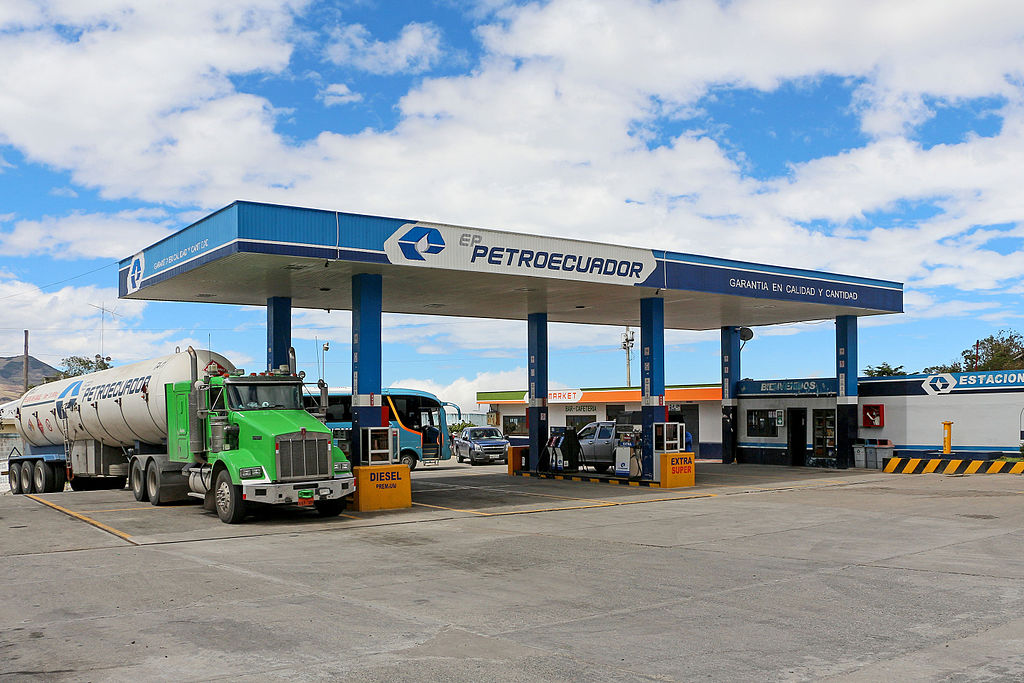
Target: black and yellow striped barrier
{"points": [[595, 480], [950, 466]]}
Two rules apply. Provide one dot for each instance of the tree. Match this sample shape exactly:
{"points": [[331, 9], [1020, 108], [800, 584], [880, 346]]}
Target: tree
{"points": [[80, 365], [1003, 350], [884, 370], [459, 426]]}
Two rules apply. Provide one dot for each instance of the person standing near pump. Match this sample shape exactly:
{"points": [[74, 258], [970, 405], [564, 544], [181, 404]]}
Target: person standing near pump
{"points": [[688, 445]]}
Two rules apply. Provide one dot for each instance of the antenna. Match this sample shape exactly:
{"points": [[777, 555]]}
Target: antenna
{"points": [[103, 310], [746, 334], [628, 339]]}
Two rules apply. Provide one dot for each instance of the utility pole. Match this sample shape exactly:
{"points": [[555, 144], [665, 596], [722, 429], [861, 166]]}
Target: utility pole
{"points": [[24, 367], [627, 345]]}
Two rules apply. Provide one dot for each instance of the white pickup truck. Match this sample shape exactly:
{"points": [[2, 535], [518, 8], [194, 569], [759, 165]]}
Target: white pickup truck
{"points": [[597, 445]]}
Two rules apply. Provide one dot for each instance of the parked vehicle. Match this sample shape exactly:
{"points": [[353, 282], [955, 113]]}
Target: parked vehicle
{"points": [[229, 438], [480, 445], [597, 445], [417, 419]]}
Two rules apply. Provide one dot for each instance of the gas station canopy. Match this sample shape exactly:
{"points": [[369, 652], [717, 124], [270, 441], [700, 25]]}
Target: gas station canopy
{"points": [[249, 252]]}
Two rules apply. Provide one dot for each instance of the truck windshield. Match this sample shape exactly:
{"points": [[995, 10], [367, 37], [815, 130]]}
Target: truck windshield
{"points": [[478, 434], [279, 396]]}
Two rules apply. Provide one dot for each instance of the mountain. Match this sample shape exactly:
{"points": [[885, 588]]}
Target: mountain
{"points": [[10, 375]]}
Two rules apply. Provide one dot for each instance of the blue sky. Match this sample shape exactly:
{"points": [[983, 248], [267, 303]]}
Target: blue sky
{"points": [[860, 138]]}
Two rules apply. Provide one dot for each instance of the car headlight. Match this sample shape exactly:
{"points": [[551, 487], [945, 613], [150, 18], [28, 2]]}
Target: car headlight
{"points": [[343, 466], [250, 472], [476, 447]]}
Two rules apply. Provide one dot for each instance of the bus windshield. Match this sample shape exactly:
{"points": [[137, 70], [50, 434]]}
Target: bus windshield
{"points": [[254, 396], [418, 418]]}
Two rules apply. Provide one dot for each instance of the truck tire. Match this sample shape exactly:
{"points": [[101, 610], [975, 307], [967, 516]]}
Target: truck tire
{"points": [[228, 496], [14, 477], [329, 508], [60, 477], [42, 475], [26, 477], [409, 460], [153, 483], [138, 481], [82, 484]]}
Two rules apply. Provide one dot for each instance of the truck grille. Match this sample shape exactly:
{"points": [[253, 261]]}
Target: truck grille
{"points": [[303, 458], [498, 451]]}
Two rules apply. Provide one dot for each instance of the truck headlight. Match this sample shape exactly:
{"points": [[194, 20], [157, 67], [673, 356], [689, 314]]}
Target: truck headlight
{"points": [[476, 447], [250, 472], [344, 466]]}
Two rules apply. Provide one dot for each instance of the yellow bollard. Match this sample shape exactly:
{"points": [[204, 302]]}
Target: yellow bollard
{"points": [[947, 437]]}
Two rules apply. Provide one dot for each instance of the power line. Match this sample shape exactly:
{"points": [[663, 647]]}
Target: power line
{"points": [[60, 282]]}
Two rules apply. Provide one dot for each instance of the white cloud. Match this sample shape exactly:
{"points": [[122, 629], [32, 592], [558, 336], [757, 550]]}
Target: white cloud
{"points": [[463, 390], [66, 322], [416, 49], [338, 93], [85, 235], [63, 192], [537, 137]]}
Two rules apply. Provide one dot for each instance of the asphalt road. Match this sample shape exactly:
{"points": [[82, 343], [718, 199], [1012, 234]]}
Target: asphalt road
{"points": [[758, 573]]}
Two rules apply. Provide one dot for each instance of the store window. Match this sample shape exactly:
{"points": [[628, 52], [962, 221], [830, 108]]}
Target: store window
{"points": [[578, 422], [514, 425], [761, 423], [612, 411]]}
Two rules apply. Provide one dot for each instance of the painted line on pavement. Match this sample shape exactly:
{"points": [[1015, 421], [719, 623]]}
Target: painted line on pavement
{"points": [[88, 520]]}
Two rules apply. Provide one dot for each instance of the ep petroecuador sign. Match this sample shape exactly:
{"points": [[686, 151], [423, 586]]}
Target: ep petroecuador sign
{"points": [[488, 251]]}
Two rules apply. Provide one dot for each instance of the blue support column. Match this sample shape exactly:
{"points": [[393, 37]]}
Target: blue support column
{"points": [[279, 331], [367, 302], [537, 401], [846, 396], [730, 405], [652, 374]]}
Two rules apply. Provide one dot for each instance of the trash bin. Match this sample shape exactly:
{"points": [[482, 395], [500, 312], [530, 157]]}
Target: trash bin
{"points": [[871, 457], [858, 456], [883, 452]]}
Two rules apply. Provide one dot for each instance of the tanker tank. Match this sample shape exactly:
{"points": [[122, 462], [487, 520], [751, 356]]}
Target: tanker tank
{"points": [[116, 407]]}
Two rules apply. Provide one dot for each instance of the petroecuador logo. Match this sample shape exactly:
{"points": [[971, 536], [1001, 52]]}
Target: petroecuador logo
{"points": [[67, 399], [939, 384], [490, 251], [135, 271], [419, 241]]}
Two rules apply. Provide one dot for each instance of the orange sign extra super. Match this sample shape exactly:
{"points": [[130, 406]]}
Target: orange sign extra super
{"points": [[677, 470]]}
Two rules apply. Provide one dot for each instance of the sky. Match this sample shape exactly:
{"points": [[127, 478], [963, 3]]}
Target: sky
{"points": [[883, 139]]}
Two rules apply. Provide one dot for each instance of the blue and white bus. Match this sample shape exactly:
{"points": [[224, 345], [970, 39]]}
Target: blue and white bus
{"points": [[417, 421]]}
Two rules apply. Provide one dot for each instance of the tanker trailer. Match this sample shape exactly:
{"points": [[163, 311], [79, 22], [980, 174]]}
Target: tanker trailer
{"points": [[187, 424]]}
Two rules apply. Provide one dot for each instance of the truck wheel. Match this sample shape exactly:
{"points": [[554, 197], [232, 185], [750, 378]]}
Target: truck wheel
{"points": [[409, 460], [82, 484], [153, 483], [230, 506], [60, 477], [138, 479], [26, 477], [43, 477], [14, 477], [329, 508]]}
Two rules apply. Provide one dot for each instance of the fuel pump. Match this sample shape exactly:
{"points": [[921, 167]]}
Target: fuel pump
{"points": [[627, 449]]}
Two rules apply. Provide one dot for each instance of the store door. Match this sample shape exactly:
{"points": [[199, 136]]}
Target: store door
{"points": [[796, 439]]}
